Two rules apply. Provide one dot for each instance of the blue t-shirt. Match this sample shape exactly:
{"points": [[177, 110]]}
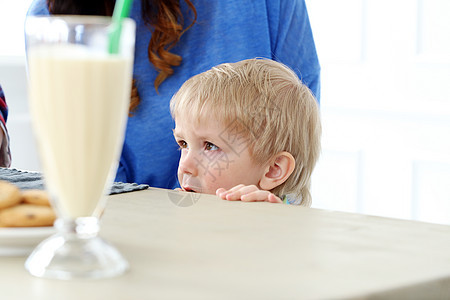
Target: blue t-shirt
{"points": [[225, 31]]}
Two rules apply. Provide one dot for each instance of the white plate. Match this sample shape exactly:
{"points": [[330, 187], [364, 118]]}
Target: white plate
{"points": [[21, 241]]}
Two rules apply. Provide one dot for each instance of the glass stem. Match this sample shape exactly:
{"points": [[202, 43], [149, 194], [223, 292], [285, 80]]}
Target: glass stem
{"points": [[81, 228]]}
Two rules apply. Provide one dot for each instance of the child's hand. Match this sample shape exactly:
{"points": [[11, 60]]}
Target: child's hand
{"points": [[247, 193]]}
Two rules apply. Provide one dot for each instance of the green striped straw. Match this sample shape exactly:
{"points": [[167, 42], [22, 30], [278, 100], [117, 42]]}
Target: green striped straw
{"points": [[121, 11]]}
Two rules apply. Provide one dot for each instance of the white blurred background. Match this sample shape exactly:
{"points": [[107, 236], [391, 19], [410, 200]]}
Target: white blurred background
{"points": [[385, 107], [385, 104]]}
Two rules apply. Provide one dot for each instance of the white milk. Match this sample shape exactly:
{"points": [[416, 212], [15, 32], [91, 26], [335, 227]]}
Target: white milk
{"points": [[79, 104]]}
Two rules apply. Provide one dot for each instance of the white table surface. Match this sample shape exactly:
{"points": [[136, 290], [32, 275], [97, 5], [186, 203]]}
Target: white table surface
{"points": [[216, 249]]}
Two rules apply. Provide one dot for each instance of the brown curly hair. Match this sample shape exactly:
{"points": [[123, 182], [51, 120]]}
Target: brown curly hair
{"points": [[165, 19]]}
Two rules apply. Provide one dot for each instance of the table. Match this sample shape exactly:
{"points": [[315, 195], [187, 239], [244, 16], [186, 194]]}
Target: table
{"points": [[207, 248]]}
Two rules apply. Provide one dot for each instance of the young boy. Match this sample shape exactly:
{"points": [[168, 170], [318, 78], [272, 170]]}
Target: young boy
{"points": [[247, 131]]}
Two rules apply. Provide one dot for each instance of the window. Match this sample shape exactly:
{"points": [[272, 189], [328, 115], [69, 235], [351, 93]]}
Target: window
{"points": [[385, 107]]}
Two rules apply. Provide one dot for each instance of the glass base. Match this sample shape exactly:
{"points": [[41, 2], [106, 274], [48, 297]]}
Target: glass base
{"points": [[76, 252]]}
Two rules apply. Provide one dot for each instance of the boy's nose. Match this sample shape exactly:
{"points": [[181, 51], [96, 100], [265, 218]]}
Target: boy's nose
{"points": [[189, 163]]}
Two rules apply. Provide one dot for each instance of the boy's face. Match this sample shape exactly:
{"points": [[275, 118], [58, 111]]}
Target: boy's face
{"points": [[213, 156]]}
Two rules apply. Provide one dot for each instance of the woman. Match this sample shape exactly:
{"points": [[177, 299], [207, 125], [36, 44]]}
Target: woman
{"points": [[176, 39]]}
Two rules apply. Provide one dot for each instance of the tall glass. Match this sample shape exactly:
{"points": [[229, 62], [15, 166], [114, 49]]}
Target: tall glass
{"points": [[79, 99]]}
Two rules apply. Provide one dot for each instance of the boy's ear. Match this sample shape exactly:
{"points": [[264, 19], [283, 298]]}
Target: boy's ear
{"points": [[281, 167]]}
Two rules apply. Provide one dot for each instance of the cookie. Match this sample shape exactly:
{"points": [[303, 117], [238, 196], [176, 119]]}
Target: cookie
{"points": [[27, 215], [38, 197], [9, 194]]}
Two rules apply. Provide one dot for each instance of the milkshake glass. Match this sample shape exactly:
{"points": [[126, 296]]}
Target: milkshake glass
{"points": [[79, 97]]}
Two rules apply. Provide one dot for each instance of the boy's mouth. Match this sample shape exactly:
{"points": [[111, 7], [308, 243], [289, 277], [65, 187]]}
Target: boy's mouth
{"points": [[189, 183], [188, 189]]}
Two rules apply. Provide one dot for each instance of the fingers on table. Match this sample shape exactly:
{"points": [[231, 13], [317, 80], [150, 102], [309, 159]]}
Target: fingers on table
{"points": [[235, 193], [260, 195], [247, 193]]}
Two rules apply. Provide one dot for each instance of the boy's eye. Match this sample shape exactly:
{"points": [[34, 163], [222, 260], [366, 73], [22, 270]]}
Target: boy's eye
{"points": [[210, 146], [182, 144]]}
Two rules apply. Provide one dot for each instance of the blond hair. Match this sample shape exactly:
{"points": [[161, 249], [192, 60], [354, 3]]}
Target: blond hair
{"points": [[273, 109]]}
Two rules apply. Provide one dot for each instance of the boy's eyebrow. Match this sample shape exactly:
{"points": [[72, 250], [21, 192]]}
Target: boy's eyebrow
{"points": [[176, 134], [206, 137]]}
